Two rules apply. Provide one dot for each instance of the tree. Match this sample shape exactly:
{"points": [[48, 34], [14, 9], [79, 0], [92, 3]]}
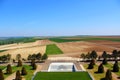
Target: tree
{"points": [[100, 68], [19, 63], [1, 75], [29, 57], [44, 57], [88, 55], [32, 62], [104, 55], [104, 61], [93, 61], [18, 57], [9, 69], [23, 71], [38, 56], [8, 57], [108, 75], [33, 56], [115, 54], [34, 66], [91, 65], [93, 55], [116, 67], [83, 56], [18, 76]]}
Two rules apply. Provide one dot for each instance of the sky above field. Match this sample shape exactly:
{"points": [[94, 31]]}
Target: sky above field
{"points": [[59, 17]]}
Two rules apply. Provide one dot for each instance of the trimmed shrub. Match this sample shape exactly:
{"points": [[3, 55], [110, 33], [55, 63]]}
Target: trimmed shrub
{"points": [[9, 69], [18, 76], [1, 75], [91, 65], [23, 71], [116, 67], [104, 61], [108, 75], [19, 63], [101, 68]]}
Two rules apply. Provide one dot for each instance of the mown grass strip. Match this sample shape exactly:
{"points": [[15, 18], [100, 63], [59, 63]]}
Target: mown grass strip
{"points": [[53, 49], [62, 76]]}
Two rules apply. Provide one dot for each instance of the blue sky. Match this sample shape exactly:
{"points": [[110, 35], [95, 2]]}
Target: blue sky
{"points": [[59, 17]]}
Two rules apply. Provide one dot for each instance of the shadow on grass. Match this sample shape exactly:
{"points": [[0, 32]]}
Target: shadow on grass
{"points": [[97, 72], [118, 77]]}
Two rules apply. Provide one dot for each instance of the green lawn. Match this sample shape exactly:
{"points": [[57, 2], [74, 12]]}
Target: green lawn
{"points": [[2, 67], [28, 69], [62, 76], [110, 66], [97, 76], [53, 49]]}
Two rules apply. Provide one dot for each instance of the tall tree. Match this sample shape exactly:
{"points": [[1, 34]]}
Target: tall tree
{"points": [[88, 55], [93, 55], [115, 54], [9, 69], [1, 75], [8, 57], [38, 56], [83, 56], [18, 56], [104, 55], [19, 63], [29, 57]]}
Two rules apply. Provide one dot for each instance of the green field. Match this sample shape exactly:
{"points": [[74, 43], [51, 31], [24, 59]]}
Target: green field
{"points": [[59, 40], [62, 76], [53, 49]]}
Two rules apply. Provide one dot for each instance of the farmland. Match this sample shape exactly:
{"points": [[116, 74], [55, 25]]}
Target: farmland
{"points": [[53, 49]]}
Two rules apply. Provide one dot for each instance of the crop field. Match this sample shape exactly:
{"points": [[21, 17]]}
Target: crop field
{"points": [[53, 49], [24, 51], [76, 48], [62, 76], [73, 39]]}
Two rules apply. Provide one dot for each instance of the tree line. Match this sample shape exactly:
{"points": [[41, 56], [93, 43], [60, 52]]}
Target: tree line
{"points": [[115, 55]]}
